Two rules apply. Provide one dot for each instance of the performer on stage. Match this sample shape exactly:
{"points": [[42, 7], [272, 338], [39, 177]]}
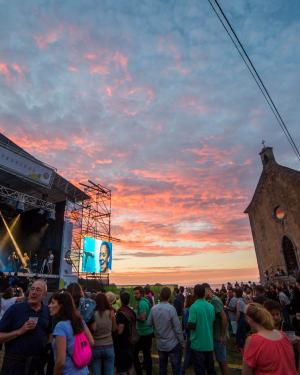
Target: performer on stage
{"points": [[14, 261], [50, 260], [26, 259], [44, 264], [10, 263], [34, 262]]}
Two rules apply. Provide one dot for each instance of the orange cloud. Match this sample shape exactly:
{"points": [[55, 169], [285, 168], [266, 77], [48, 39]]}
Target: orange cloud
{"points": [[183, 276], [43, 146], [207, 153]]}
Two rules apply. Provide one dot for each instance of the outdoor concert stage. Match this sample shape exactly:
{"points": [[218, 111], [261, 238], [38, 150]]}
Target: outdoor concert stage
{"points": [[40, 211]]}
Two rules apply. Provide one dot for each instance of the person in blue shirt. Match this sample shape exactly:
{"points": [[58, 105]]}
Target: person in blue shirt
{"points": [[25, 328], [70, 323]]}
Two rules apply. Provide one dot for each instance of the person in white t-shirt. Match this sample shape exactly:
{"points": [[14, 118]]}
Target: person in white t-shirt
{"points": [[50, 260], [8, 299]]}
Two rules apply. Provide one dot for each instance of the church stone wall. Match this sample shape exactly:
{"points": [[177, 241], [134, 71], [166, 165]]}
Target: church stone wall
{"points": [[280, 188]]}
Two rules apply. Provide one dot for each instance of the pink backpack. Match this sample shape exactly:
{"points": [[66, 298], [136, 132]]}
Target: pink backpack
{"points": [[82, 352]]}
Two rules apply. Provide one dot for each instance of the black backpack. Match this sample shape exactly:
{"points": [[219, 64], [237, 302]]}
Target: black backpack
{"points": [[133, 335]]}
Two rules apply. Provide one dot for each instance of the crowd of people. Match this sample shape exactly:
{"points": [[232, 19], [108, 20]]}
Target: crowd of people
{"points": [[102, 333]]}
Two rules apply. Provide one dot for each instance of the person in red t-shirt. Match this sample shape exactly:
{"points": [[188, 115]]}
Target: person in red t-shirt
{"points": [[267, 351]]}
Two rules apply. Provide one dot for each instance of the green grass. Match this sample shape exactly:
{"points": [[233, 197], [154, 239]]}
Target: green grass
{"points": [[155, 289]]}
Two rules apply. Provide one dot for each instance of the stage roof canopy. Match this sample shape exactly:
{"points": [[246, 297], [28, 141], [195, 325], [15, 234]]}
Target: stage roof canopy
{"points": [[60, 190]]}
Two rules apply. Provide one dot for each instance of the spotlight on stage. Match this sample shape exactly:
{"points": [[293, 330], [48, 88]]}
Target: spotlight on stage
{"points": [[12, 226], [20, 207], [16, 246], [51, 215]]}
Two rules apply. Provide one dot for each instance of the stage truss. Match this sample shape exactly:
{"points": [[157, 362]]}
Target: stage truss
{"points": [[27, 200], [91, 218], [96, 219]]}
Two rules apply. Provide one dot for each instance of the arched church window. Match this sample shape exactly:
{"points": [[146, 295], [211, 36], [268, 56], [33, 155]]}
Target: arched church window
{"points": [[290, 255]]}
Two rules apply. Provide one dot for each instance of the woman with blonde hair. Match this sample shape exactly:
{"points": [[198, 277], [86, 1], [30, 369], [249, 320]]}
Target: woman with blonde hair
{"points": [[267, 351]]}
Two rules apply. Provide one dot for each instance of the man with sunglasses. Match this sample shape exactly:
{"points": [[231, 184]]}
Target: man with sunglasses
{"points": [[25, 329]]}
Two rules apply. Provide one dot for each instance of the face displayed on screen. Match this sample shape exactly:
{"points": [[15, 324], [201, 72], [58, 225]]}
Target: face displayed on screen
{"points": [[97, 255], [103, 257]]}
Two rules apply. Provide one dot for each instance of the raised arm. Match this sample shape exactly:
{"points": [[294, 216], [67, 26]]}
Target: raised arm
{"points": [[8, 336]]}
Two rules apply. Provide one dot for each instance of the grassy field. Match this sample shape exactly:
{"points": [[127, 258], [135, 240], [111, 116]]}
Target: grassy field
{"points": [[129, 288]]}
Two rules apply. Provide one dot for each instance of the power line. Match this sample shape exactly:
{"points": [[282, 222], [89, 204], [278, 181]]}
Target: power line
{"points": [[242, 52]]}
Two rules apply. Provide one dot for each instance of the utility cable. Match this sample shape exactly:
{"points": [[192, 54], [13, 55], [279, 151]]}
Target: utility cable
{"points": [[242, 52]]}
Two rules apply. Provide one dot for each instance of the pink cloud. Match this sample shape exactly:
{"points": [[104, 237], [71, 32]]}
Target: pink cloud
{"points": [[73, 69], [133, 101], [121, 59], [11, 71], [193, 104], [208, 153], [41, 146], [4, 70], [108, 91], [90, 56], [18, 69], [102, 161], [99, 69], [43, 41], [166, 44]]}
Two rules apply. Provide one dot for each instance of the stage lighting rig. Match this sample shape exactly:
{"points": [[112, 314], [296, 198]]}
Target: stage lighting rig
{"points": [[25, 200], [51, 215], [20, 208]]}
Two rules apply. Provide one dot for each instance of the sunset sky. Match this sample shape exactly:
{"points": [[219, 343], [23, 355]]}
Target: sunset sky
{"points": [[151, 99]]}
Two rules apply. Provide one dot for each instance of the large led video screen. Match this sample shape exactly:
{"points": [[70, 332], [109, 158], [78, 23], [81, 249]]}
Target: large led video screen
{"points": [[97, 255]]}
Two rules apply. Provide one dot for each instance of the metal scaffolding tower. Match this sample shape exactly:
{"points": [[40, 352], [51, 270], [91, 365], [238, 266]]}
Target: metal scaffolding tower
{"points": [[90, 218], [97, 212]]}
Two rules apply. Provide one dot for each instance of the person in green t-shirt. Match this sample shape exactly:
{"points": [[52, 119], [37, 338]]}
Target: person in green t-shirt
{"points": [[200, 323], [144, 331], [220, 329]]}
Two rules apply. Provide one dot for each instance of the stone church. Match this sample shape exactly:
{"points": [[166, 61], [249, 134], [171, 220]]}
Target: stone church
{"points": [[274, 214]]}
